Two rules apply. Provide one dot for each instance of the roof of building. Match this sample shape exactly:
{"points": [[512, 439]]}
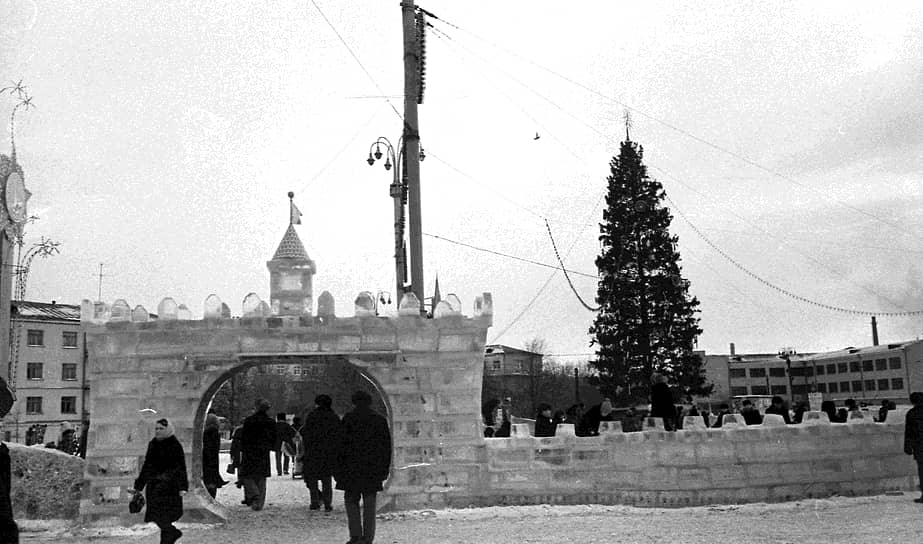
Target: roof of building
{"points": [[500, 348], [291, 247], [44, 311], [864, 351]]}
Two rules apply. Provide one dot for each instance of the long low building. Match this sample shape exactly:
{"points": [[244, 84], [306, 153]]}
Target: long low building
{"points": [[867, 374]]}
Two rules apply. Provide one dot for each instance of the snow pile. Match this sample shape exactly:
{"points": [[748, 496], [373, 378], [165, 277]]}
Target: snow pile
{"points": [[46, 483]]}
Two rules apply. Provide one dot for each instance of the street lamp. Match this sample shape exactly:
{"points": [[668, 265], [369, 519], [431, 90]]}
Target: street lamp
{"points": [[394, 157], [382, 298]]}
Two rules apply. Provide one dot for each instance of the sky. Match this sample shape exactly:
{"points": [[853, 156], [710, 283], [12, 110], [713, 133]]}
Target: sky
{"points": [[787, 135]]}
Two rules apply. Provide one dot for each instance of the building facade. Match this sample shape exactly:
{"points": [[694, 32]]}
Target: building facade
{"points": [[49, 372], [867, 374]]}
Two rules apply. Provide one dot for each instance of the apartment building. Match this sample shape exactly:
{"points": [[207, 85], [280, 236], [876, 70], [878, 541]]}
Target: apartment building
{"points": [[47, 371]]}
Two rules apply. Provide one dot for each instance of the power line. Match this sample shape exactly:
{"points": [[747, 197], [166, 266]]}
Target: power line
{"points": [[572, 288], [359, 62], [508, 256], [340, 152], [688, 134]]}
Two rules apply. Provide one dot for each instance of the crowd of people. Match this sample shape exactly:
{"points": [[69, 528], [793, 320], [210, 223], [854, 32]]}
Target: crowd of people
{"points": [[587, 421], [355, 451]]}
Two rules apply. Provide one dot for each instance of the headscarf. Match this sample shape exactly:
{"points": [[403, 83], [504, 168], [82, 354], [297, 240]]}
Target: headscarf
{"points": [[211, 421], [167, 432]]}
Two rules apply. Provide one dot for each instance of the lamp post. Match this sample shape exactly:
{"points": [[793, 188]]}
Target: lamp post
{"points": [[395, 161], [382, 298]]}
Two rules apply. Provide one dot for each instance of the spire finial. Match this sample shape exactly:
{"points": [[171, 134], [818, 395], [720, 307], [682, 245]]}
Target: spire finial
{"points": [[627, 117]]}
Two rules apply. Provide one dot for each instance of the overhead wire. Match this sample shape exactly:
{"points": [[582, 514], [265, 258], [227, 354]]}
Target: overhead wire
{"points": [[358, 61], [341, 151], [686, 133], [608, 138]]}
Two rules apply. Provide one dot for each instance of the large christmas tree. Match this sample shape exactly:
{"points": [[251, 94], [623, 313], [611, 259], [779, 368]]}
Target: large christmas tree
{"points": [[647, 320]]}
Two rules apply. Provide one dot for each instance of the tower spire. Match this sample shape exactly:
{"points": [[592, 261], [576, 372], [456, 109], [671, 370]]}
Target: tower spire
{"points": [[627, 117]]}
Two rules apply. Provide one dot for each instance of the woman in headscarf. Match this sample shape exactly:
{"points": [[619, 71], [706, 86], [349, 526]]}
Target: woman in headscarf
{"points": [[163, 477], [211, 444]]}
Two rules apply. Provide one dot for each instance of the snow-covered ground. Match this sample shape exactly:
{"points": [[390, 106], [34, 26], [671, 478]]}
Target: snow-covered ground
{"points": [[286, 519]]}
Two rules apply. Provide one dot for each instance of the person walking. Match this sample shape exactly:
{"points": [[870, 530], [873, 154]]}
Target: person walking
{"points": [[163, 479], [913, 435], [285, 435], [67, 442], [211, 445], [9, 531], [320, 438], [363, 464], [257, 437], [778, 407]]}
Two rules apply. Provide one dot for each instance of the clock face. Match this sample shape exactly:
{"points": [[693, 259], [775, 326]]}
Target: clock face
{"points": [[16, 197]]}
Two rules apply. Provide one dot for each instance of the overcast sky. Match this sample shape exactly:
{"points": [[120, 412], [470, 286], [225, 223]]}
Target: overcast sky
{"points": [[790, 134]]}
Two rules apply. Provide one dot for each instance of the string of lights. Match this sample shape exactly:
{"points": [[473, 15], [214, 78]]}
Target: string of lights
{"points": [[775, 287], [566, 275]]}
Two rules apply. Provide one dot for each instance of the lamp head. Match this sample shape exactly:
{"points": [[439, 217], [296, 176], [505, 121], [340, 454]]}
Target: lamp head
{"points": [[388, 164], [371, 160], [377, 152]]}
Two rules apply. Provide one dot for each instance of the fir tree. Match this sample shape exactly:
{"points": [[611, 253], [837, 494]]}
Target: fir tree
{"points": [[647, 320]]}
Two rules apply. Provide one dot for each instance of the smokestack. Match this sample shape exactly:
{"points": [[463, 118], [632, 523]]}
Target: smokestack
{"points": [[874, 331], [732, 348]]}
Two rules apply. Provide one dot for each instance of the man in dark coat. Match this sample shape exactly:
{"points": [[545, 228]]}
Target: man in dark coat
{"points": [[257, 436], [163, 477], [9, 531], [285, 434], [751, 414], [211, 446], [363, 464], [589, 422], [913, 435], [662, 401], [778, 407], [321, 442]]}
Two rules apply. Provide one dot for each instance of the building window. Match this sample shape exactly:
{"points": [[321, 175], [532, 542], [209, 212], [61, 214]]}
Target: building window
{"points": [[738, 373], [881, 364], [841, 368], [821, 388], [759, 390], [69, 340], [798, 371], [736, 390], [809, 371], [777, 372], [33, 405], [819, 370], [897, 383], [35, 337], [757, 373], [297, 370], [883, 384], [855, 366], [868, 366], [844, 387], [894, 362], [34, 371], [856, 386], [869, 385], [799, 389], [779, 390], [832, 388], [68, 405], [495, 365], [831, 368], [69, 371]]}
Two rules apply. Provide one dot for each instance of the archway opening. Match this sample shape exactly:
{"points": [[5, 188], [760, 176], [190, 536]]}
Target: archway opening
{"points": [[290, 384]]}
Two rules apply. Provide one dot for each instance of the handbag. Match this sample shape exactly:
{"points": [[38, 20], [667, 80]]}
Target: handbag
{"points": [[137, 503]]}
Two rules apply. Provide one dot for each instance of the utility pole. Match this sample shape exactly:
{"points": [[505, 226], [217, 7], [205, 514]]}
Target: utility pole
{"points": [[411, 134]]}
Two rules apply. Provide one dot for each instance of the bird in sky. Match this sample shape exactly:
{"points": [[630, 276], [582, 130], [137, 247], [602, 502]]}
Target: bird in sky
{"points": [[536, 136]]}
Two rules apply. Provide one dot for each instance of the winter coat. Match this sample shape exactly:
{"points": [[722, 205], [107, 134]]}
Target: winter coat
{"points": [[913, 433], [365, 455], [257, 436], [285, 433], [163, 476], [751, 416], [544, 426], [662, 401], [68, 443], [589, 423], [9, 532], [321, 437], [211, 445]]}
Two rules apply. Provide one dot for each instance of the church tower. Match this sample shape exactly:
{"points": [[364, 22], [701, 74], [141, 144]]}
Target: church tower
{"points": [[291, 272]]}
